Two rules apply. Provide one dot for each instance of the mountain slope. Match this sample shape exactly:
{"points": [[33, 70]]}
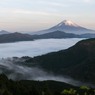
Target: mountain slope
{"points": [[55, 34], [13, 37], [3, 32], [77, 62], [66, 26], [61, 34]]}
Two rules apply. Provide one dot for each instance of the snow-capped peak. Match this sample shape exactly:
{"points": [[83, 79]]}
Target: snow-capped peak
{"points": [[68, 23]]}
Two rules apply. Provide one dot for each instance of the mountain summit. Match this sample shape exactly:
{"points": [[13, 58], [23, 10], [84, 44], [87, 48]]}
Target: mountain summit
{"points": [[67, 23], [66, 26]]}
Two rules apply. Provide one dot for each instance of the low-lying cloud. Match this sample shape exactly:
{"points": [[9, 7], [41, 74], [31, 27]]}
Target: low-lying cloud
{"points": [[35, 48], [22, 72]]}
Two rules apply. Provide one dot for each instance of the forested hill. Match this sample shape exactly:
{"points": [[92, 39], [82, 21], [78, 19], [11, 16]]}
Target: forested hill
{"points": [[9, 87], [77, 62]]}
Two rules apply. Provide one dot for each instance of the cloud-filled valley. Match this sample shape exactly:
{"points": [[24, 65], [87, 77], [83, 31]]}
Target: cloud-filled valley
{"points": [[22, 72], [35, 48]]}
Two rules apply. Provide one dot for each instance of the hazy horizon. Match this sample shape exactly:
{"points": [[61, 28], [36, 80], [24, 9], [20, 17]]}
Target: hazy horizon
{"points": [[34, 15]]}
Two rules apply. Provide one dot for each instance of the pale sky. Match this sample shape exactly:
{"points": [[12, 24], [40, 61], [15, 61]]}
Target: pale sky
{"points": [[34, 15]]}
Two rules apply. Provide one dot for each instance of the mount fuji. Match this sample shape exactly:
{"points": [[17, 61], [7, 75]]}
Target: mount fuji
{"points": [[66, 26]]}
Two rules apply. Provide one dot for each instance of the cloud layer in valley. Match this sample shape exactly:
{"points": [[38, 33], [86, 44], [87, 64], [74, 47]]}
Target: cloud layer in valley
{"points": [[35, 48], [22, 72]]}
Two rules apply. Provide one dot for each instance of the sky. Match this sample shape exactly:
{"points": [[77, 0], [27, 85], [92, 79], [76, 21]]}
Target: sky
{"points": [[34, 15]]}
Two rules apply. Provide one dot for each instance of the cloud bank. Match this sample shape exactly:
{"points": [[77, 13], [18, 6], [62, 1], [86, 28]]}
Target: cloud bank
{"points": [[35, 48]]}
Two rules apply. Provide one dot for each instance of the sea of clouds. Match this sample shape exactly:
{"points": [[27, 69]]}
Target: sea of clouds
{"points": [[35, 48]]}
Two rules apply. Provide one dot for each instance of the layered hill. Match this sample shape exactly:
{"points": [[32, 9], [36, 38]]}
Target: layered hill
{"points": [[56, 34]]}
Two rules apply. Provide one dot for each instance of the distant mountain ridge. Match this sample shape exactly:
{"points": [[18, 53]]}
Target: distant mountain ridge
{"points": [[4, 32], [65, 29], [13, 37], [61, 34], [56, 34]]}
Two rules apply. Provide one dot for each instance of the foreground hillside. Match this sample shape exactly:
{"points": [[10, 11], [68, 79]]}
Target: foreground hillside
{"points": [[9, 87], [77, 62]]}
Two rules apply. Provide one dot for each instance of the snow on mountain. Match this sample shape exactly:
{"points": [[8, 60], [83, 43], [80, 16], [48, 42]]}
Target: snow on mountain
{"points": [[68, 23], [66, 26]]}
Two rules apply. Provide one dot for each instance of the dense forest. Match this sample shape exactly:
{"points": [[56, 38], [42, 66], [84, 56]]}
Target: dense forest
{"points": [[27, 87]]}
